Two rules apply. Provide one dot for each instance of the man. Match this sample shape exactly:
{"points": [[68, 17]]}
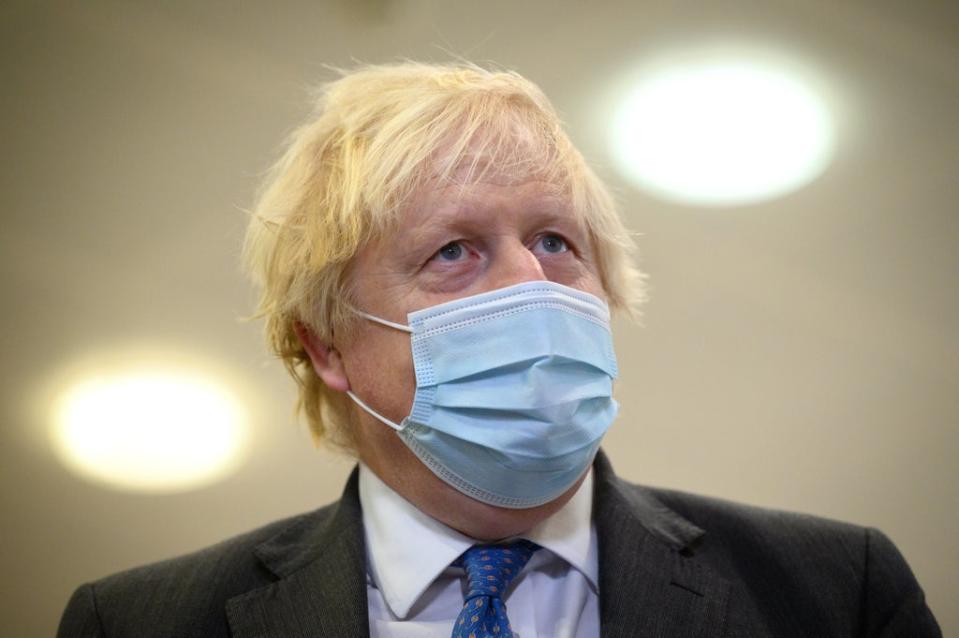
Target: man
{"points": [[437, 263]]}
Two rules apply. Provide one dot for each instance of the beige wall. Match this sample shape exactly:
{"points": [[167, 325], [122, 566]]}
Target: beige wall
{"points": [[799, 354]]}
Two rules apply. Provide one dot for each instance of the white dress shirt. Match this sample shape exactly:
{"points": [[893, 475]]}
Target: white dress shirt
{"points": [[413, 592]]}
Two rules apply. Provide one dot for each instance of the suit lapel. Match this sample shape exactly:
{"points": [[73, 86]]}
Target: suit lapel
{"points": [[651, 583], [321, 591]]}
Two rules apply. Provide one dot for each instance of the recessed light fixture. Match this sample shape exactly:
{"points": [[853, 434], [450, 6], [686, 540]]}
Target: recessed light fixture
{"points": [[721, 129], [149, 428]]}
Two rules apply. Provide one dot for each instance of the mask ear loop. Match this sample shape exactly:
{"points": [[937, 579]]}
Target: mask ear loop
{"points": [[374, 318], [373, 413]]}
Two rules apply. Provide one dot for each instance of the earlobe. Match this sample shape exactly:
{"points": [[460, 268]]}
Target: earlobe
{"points": [[326, 360]]}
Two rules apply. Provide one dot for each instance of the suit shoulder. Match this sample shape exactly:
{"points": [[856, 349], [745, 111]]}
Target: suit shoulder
{"points": [[720, 517], [821, 566], [193, 587], [228, 558], [742, 538]]}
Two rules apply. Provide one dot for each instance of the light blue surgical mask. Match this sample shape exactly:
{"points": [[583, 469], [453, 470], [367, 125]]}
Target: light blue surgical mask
{"points": [[513, 391]]}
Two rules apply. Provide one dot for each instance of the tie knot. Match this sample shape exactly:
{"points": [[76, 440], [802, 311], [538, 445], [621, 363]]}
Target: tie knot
{"points": [[491, 568]]}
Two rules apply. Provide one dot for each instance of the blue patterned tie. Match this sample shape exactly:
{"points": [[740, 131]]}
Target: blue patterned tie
{"points": [[489, 569]]}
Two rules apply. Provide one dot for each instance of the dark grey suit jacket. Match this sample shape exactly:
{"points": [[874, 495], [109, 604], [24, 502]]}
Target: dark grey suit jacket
{"points": [[756, 573]]}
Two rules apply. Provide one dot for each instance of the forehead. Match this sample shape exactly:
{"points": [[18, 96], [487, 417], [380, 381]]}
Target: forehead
{"points": [[498, 194], [490, 169]]}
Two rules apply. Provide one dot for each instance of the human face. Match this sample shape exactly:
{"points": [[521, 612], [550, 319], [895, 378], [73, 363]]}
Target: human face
{"points": [[453, 241]]}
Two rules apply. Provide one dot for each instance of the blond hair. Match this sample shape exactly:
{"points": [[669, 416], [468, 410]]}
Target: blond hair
{"points": [[376, 136]]}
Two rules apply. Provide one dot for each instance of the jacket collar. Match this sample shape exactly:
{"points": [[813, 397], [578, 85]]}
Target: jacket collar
{"points": [[651, 583], [615, 498], [321, 566]]}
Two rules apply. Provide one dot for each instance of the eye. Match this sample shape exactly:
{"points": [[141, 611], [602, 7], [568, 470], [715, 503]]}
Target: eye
{"points": [[553, 244], [452, 251]]}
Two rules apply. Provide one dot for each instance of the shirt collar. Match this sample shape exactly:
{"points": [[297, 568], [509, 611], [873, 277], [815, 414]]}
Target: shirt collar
{"points": [[397, 532], [571, 535]]}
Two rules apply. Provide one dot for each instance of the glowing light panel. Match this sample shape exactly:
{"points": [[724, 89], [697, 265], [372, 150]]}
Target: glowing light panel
{"points": [[722, 131], [143, 430]]}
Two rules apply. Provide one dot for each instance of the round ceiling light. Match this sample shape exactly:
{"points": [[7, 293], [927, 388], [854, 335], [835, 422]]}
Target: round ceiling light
{"points": [[721, 130], [154, 430]]}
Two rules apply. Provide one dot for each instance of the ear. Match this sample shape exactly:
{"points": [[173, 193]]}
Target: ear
{"points": [[326, 360]]}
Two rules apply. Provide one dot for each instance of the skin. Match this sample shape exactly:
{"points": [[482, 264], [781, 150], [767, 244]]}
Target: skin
{"points": [[452, 242]]}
